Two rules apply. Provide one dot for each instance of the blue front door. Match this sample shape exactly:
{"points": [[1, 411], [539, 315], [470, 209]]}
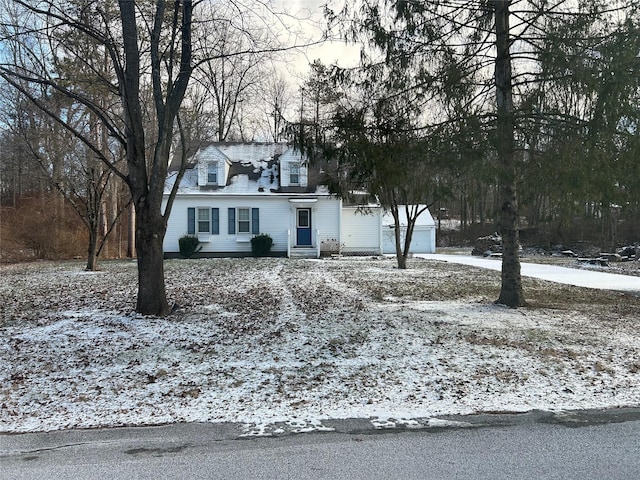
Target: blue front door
{"points": [[303, 227]]}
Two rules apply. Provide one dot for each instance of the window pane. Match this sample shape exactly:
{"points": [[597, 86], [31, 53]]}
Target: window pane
{"points": [[244, 222], [294, 173], [303, 218], [243, 214], [212, 173], [203, 220]]}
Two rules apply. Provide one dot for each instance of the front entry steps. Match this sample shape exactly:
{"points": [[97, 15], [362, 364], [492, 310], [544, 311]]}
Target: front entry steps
{"points": [[303, 252]]}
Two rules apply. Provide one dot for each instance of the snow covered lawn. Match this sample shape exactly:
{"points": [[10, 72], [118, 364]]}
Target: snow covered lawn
{"points": [[268, 341]]}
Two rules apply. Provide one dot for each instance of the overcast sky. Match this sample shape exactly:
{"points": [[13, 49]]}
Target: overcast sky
{"points": [[309, 13]]}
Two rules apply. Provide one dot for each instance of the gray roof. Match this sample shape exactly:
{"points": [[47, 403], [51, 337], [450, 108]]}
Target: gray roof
{"points": [[254, 168]]}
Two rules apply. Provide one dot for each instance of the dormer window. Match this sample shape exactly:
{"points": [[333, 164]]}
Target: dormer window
{"points": [[294, 174], [212, 173]]}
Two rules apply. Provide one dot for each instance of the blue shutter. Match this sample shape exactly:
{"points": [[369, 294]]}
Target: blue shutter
{"points": [[232, 221], [215, 221], [191, 221], [255, 221]]}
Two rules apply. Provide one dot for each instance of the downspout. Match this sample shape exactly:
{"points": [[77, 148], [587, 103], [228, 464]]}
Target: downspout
{"points": [[380, 247], [339, 226]]}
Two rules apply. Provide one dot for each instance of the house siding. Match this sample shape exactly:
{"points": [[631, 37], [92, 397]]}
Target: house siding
{"points": [[276, 218], [325, 219]]}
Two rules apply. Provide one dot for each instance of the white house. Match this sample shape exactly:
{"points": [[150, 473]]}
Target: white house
{"points": [[424, 232], [231, 192]]}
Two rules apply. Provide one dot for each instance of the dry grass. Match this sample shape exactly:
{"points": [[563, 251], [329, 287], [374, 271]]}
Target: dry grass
{"points": [[239, 286], [276, 338]]}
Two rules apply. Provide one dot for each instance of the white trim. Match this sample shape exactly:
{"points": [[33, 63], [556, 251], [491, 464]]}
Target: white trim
{"points": [[213, 167], [249, 221], [199, 232], [298, 211], [293, 166]]}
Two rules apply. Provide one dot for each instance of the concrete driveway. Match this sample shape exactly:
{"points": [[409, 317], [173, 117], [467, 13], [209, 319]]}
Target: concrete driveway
{"points": [[552, 273]]}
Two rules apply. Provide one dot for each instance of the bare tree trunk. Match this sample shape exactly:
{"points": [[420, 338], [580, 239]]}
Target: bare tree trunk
{"points": [[92, 251], [412, 212], [408, 236], [400, 256], [150, 230], [146, 176], [511, 290]]}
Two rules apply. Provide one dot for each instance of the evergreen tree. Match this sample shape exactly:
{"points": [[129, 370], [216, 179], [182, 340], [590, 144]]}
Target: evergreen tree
{"points": [[493, 55]]}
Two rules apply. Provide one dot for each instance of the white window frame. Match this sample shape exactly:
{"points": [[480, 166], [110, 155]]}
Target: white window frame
{"points": [[212, 169], [294, 173], [199, 219], [246, 221], [308, 219]]}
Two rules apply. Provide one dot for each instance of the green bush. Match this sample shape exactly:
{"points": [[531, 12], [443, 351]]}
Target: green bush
{"points": [[261, 245], [189, 245]]}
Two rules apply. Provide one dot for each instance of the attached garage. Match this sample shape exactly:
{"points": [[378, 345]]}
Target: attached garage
{"points": [[424, 233], [361, 231]]}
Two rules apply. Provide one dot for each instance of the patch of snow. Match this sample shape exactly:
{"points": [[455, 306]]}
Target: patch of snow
{"points": [[277, 344]]}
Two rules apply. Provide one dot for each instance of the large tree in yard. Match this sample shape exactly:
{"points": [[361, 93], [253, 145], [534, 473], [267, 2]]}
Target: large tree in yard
{"points": [[148, 160], [147, 49], [511, 291]]}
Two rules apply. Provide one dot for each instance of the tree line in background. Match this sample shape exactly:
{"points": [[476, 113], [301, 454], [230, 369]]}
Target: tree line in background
{"points": [[512, 115]]}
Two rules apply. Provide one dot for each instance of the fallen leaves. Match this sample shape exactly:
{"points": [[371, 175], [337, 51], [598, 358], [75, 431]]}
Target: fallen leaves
{"points": [[264, 341]]}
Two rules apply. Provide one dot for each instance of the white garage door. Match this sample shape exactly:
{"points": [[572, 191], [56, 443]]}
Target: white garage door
{"points": [[360, 232], [423, 240]]}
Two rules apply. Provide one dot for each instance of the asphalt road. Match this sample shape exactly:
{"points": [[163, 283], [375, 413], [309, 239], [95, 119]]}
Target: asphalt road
{"points": [[534, 446]]}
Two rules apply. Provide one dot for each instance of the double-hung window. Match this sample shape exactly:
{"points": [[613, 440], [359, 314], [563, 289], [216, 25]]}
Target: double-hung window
{"points": [[212, 173], [244, 220], [294, 173], [204, 220]]}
